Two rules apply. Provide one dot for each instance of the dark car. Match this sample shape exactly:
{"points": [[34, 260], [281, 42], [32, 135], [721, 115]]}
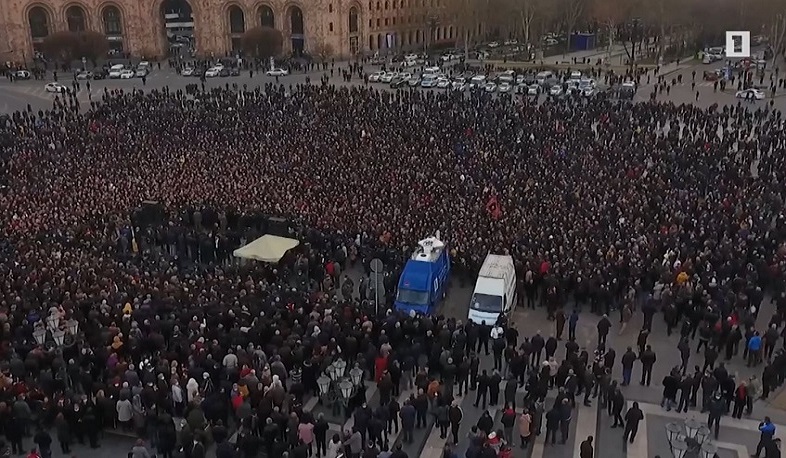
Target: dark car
{"points": [[398, 82], [100, 74], [234, 71], [224, 72], [198, 72]]}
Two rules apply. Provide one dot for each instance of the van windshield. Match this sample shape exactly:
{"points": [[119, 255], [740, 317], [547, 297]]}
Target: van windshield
{"points": [[486, 303], [409, 296]]}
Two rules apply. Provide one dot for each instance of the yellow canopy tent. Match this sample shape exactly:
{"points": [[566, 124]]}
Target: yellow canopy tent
{"points": [[268, 248]]}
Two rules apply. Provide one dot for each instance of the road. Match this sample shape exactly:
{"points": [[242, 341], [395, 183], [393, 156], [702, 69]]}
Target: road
{"points": [[20, 94]]}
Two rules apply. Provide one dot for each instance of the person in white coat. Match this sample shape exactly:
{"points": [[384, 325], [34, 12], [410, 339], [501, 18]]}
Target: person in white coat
{"points": [[192, 388], [333, 447]]}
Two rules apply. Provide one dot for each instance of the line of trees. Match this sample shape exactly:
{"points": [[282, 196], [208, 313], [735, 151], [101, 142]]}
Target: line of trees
{"points": [[670, 28], [67, 46]]}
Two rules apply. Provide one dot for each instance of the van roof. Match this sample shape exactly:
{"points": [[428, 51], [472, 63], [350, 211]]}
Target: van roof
{"points": [[429, 250], [496, 266]]}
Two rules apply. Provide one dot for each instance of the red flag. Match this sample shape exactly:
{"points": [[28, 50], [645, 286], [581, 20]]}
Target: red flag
{"points": [[493, 208]]}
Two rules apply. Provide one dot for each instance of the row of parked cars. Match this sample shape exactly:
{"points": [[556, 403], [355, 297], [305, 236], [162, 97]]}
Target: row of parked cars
{"points": [[220, 70], [116, 71], [545, 82]]}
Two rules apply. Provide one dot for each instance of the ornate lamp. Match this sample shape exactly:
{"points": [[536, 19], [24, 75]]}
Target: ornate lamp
{"points": [[356, 374], [52, 322], [673, 431], [39, 335], [708, 450], [332, 372], [679, 448], [341, 366], [59, 337], [346, 389], [702, 434], [72, 326], [324, 384], [692, 428]]}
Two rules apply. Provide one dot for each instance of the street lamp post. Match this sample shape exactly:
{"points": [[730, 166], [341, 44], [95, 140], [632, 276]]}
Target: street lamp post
{"points": [[690, 439], [336, 388], [433, 22]]}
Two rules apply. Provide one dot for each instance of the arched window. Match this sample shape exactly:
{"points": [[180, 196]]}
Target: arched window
{"points": [[237, 20], [112, 23], [371, 42], [75, 17], [353, 20], [38, 20], [296, 21], [266, 17]]}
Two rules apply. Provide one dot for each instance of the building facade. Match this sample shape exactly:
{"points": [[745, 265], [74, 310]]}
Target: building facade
{"points": [[150, 28]]}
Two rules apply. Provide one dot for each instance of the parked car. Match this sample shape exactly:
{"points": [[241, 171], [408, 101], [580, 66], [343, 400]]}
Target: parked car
{"points": [[54, 87], [22, 75], [753, 92], [188, 71], [277, 72]]}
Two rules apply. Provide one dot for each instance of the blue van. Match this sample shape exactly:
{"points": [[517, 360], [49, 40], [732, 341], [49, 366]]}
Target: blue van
{"points": [[424, 280]]}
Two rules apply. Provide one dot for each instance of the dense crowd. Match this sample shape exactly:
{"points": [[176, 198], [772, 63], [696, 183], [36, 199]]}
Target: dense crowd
{"points": [[600, 203]]}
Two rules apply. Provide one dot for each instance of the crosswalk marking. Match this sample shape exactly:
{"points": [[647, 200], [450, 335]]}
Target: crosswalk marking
{"points": [[40, 92]]}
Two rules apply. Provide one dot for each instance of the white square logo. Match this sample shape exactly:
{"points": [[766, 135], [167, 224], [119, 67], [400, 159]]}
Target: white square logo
{"points": [[738, 44]]}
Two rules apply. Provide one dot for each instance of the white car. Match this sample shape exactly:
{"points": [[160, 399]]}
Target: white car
{"points": [[127, 74], [629, 84], [504, 87], [188, 71], [141, 72], [443, 83], [555, 90], [405, 76], [588, 91], [276, 72], [550, 42], [757, 94], [493, 44], [575, 75], [533, 89], [490, 87], [374, 77], [22, 75], [387, 77], [212, 72], [116, 70], [54, 87], [459, 84]]}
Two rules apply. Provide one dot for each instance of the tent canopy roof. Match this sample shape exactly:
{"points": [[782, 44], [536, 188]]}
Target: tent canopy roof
{"points": [[268, 248]]}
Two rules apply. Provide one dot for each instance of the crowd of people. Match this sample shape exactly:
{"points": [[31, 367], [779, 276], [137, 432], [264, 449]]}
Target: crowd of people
{"points": [[621, 206]]}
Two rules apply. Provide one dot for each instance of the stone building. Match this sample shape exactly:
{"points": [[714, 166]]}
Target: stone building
{"points": [[151, 28]]}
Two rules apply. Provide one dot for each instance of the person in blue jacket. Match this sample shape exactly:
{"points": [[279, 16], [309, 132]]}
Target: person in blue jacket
{"points": [[767, 430], [754, 349]]}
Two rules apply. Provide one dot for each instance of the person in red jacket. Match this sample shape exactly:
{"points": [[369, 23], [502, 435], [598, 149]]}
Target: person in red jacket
{"points": [[380, 366]]}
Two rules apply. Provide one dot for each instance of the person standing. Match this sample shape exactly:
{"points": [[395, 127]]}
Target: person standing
{"points": [[717, 409], [553, 418], [767, 430], [455, 414], [566, 412], [648, 359], [483, 388], [603, 330], [627, 365], [572, 323], [632, 419], [525, 428], [407, 415], [586, 450]]}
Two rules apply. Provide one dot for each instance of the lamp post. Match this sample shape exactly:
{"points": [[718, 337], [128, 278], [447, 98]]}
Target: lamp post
{"points": [[52, 322], [689, 439], [72, 326], [336, 388], [40, 336]]}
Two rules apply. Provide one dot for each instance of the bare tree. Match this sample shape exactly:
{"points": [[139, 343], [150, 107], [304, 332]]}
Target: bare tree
{"points": [[467, 15], [62, 46], [525, 13], [771, 17], [323, 51], [612, 14], [263, 42], [91, 45], [572, 12]]}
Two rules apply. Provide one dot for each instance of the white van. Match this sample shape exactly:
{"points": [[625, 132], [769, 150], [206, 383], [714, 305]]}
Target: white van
{"points": [[495, 290], [541, 77], [477, 82]]}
